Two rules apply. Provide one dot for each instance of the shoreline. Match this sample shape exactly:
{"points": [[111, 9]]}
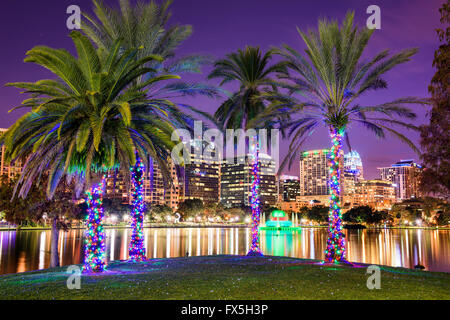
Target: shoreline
{"points": [[171, 226], [165, 226]]}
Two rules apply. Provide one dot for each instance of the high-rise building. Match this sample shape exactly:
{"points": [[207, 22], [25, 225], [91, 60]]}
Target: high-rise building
{"points": [[378, 194], [353, 173], [9, 169], [235, 181], [353, 165], [156, 192], [116, 186], [405, 177], [289, 188], [315, 172], [201, 176]]}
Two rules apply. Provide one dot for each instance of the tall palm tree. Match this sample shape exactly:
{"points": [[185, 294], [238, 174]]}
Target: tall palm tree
{"points": [[251, 70], [324, 88], [89, 120], [144, 26]]}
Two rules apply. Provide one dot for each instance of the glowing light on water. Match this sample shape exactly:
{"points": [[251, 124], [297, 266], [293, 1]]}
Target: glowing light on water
{"points": [[246, 240], [155, 243], [113, 239], [232, 242], [124, 255], [198, 241], [217, 241], [311, 244], [190, 242], [210, 241], [168, 234], [41, 250], [237, 242]]}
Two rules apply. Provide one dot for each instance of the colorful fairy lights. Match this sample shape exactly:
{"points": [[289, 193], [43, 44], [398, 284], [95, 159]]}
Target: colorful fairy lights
{"points": [[137, 249], [335, 251], [255, 204], [94, 250]]}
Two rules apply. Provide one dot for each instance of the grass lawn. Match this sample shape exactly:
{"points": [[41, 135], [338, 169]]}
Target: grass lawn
{"points": [[228, 277]]}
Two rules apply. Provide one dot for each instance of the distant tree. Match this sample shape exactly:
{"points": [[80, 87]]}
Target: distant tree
{"points": [[32, 209], [443, 218], [303, 211], [358, 214], [191, 208], [16, 210], [61, 209], [116, 206], [318, 214], [157, 212], [365, 214], [435, 137]]}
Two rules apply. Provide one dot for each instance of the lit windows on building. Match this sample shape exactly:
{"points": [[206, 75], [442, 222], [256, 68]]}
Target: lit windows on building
{"points": [[235, 181], [378, 194], [404, 175]]}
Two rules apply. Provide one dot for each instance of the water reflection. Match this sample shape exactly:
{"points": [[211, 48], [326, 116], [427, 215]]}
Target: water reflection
{"points": [[30, 250]]}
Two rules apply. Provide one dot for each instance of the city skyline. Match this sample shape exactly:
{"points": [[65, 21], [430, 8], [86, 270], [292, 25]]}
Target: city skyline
{"points": [[403, 25], [229, 183]]}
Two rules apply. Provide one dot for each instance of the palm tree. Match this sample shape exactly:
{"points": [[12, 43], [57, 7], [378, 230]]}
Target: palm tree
{"points": [[144, 26], [328, 83], [251, 70], [90, 120]]}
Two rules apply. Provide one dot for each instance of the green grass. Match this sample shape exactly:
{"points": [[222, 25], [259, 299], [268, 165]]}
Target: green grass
{"points": [[228, 277]]}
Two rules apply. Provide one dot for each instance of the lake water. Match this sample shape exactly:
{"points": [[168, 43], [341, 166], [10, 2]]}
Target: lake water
{"points": [[30, 250]]}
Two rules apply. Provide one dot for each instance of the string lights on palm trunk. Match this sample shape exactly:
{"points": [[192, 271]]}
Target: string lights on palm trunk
{"points": [[137, 248], [335, 251], [255, 202], [94, 250]]}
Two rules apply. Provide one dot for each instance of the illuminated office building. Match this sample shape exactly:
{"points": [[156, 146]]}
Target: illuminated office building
{"points": [[200, 177], [378, 194], [289, 188], [404, 175], [315, 173], [9, 169], [353, 173], [235, 181]]}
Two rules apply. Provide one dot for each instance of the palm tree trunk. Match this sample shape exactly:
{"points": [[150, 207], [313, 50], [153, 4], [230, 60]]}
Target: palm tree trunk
{"points": [[255, 202], [54, 254], [336, 240], [94, 251], [136, 249]]}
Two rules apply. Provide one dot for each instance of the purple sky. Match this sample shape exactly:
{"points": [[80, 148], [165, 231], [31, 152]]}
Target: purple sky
{"points": [[221, 27]]}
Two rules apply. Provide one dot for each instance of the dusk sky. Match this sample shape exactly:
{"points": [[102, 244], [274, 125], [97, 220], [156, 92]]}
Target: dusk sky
{"points": [[221, 27]]}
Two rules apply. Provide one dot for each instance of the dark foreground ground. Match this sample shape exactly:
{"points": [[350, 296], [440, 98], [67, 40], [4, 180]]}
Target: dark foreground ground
{"points": [[227, 277]]}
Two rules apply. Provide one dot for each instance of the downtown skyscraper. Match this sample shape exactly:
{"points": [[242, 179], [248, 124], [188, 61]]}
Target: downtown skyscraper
{"points": [[235, 181], [404, 175]]}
